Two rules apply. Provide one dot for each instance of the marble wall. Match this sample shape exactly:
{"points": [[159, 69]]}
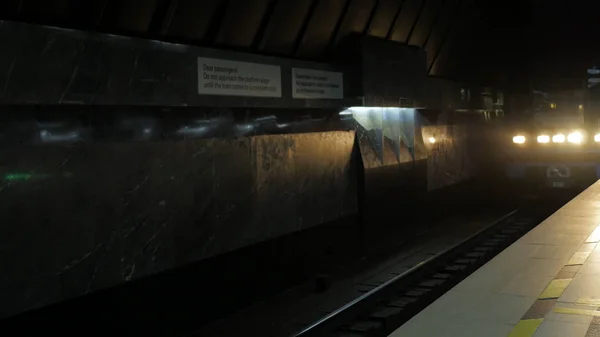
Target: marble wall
{"points": [[393, 74], [403, 137], [90, 213], [387, 136], [82, 217], [449, 160], [47, 65]]}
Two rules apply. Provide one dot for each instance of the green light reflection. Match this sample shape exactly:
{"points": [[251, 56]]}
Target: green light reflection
{"points": [[25, 176]]}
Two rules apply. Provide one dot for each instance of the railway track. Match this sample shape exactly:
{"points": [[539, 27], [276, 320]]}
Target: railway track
{"points": [[383, 309]]}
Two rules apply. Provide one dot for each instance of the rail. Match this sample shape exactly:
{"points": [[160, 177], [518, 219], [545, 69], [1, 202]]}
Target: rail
{"points": [[342, 316]]}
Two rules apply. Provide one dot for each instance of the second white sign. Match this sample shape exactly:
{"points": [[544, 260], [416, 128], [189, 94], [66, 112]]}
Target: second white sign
{"points": [[314, 84]]}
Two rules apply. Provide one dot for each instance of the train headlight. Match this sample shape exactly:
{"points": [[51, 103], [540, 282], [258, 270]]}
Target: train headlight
{"points": [[597, 138], [575, 137], [543, 139], [559, 138], [519, 139]]}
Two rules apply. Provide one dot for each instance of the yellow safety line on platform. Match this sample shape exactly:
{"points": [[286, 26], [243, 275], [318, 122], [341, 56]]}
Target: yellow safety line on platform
{"points": [[573, 311], [595, 236], [578, 258], [526, 327], [555, 288], [593, 302]]}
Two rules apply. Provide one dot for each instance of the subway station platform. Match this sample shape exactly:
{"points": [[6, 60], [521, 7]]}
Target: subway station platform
{"points": [[545, 284]]}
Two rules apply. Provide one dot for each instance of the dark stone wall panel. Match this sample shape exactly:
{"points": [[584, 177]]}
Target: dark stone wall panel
{"points": [[324, 153], [85, 217], [43, 65], [392, 72], [274, 171], [443, 94], [448, 162]]}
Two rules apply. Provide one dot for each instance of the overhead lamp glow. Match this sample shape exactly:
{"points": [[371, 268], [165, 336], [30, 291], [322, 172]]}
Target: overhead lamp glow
{"points": [[575, 137], [597, 138], [431, 140], [519, 139], [543, 139], [559, 138]]}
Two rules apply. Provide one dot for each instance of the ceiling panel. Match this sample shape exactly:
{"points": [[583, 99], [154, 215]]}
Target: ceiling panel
{"points": [[241, 22], [451, 41], [440, 29], [406, 20], [284, 27], [386, 12], [45, 11], [425, 23], [9, 9], [128, 16], [192, 18], [355, 19], [320, 28]]}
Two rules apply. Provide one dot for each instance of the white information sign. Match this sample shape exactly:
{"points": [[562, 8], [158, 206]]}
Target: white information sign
{"points": [[234, 78], [311, 84]]}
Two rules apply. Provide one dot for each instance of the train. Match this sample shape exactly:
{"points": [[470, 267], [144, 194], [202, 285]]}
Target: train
{"points": [[557, 145]]}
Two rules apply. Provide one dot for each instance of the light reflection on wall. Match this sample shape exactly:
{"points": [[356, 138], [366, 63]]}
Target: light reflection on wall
{"points": [[390, 132], [434, 137], [392, 136], [447, 157], [29, 176]]}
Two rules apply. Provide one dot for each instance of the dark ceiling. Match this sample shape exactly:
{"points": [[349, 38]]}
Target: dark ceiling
{"points": [[563, 40], [486, 41]]}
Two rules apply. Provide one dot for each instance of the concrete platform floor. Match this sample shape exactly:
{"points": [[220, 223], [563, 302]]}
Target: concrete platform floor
{"points": [[545, 284]]}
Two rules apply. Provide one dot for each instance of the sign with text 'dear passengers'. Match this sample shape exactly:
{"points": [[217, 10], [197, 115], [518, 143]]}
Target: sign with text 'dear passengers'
{"points": [[315, 84], [235, 78]]}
